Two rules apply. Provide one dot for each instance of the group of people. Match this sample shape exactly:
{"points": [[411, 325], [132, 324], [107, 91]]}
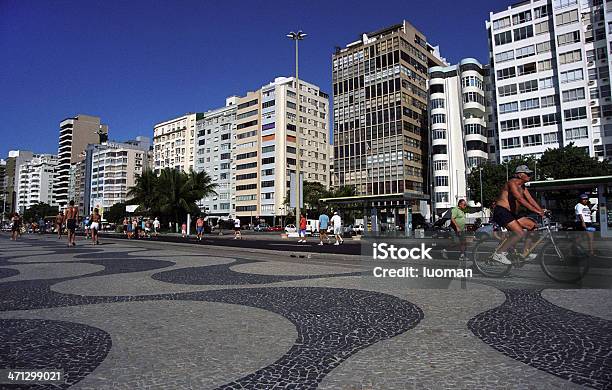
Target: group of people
{"points": [[505, 213], [325, 223], [140, 227], [69, 220]]}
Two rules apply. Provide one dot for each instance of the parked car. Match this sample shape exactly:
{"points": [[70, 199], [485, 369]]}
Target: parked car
{"points": [[358, 229], [277, 228], [262, 227], [290, 228]]}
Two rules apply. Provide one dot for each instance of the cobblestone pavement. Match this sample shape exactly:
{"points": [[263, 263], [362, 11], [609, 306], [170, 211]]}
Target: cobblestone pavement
{"points": [[138, 316]]}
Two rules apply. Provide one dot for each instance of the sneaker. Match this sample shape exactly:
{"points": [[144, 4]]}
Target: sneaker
{"points": [[337, 243], [529, 257], [321, 243], [462, 257], [501, 258], [444, 254]]}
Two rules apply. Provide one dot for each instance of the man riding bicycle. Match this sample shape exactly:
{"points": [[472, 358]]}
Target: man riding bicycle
{"points": [[512, 196]]}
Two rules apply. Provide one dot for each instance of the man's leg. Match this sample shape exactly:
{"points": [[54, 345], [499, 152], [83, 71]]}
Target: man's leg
{"points": [[516, 234], [528, 224]]}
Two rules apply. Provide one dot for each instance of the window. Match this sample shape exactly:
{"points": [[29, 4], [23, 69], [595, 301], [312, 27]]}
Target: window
{"points": [[606, 110], [532, 140], [507, 90], [440, 165], [506, 73], [548, 101], [526, 68], [247, 176], [576, 133], [530, 121], [504, 56], [246, 114], [471, 81], [570, 56], [550, 138], [525, 52], [436, 88], [564, 3], [541, 28], [571, 75], [549, 119], [521, 17], [528, 86], [267, 104], [248, 104], [470, 97], [441, 197], [437, 103], [512, 124], [605, 91], [593, 74], [503, 38], [530, 104], [547, 82], [543, 47], [573, 94], [501, 23], [438, 118], [544, 65], [523, 33], [575, 113], [474, 129], [541, 12], [267, 160], [594, 93], [441, 181], [568, 38], [246, 155], [567, 17], [595, 112], [508, 107], [510, 143]]}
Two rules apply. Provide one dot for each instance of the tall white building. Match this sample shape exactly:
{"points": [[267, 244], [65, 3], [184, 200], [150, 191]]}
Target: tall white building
{"points": [[37, 181], [214, 136], [173, 143], [458, 128], [552, 76]]}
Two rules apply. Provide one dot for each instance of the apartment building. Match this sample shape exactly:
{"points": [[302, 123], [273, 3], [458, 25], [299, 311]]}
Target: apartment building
{"points": [[75, 134], [552, 76], [37, 181], [16, 158], [458, 128], [214, 136], [174, 143], [381, 142], [110, 169], [269, 123]]}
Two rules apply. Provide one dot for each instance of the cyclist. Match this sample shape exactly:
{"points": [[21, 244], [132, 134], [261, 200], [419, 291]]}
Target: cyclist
{"points": [[512, 196], [583, 219]]}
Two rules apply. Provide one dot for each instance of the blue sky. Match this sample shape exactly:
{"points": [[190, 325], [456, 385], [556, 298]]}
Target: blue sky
{"points": [[136, 63]]}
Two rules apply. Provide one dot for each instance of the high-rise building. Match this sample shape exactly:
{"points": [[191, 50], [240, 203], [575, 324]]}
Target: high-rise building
{"points": [[458, 128], [265, 149], [552, 76], [380, 119], [173, 142], [15, 159], [3, 187], [75, 134], [214, 138], [110, 169], [37, 181]]}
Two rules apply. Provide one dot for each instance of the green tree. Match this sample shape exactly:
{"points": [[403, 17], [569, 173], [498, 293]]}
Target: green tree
{"points": [[145, 192], [571, 161], [39, 210], [115, 213]]}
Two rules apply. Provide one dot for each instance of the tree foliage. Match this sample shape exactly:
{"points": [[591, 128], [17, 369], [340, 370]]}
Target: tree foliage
{"points": [[115, 213], [171, 195], [39, 210]]}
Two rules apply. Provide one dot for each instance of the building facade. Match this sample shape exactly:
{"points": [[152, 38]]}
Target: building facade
{"points": [[110, 169], [269, 123], [37, 181], [173, 143], [380, 121], [75, 134], [214, 136], [16, 158], [552, 76], [458, 128]]}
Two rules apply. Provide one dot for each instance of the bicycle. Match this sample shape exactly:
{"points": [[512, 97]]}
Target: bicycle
{"points": [[562, 259]]}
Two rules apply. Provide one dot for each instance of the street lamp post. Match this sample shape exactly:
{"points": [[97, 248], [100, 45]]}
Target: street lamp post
{"points": [[296, 37], [481, 199], [535, 173]]}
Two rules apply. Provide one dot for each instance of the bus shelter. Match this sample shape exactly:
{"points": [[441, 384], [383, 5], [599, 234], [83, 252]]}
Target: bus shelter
{"points": [[599, 184]]}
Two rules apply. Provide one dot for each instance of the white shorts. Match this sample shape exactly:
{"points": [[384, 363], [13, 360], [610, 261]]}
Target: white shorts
{"points": [[94, 226], [337, 231]]}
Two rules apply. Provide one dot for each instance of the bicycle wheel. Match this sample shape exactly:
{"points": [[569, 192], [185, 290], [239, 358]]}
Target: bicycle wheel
{"points": [[564, 261], [482, 256]]}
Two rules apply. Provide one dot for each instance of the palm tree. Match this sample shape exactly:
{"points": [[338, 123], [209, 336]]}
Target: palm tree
{"points": [[145, 191]]}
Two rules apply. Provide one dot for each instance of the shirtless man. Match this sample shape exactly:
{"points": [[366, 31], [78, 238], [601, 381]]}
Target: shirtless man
{"points": [[95, 220], [72, 214], [512, 196], [59, 224]]}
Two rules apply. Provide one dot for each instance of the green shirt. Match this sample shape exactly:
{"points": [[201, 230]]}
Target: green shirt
{"points": [[459, 216]]}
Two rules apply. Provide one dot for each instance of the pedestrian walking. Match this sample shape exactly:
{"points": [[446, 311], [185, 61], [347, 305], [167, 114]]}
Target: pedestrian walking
{"points": [[130, 228], [16, 226], [86, 226], [337, 224], [156, 226], [302, 229], [95, 219], [72, 216], [135, 227], [237, 233], [184, 229], [125, 226], [59, 224], [323, 225], [457, 223], [200, 227]]}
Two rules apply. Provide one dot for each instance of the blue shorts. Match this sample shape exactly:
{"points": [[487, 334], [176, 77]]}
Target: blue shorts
{"points": [[200, 229]]}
